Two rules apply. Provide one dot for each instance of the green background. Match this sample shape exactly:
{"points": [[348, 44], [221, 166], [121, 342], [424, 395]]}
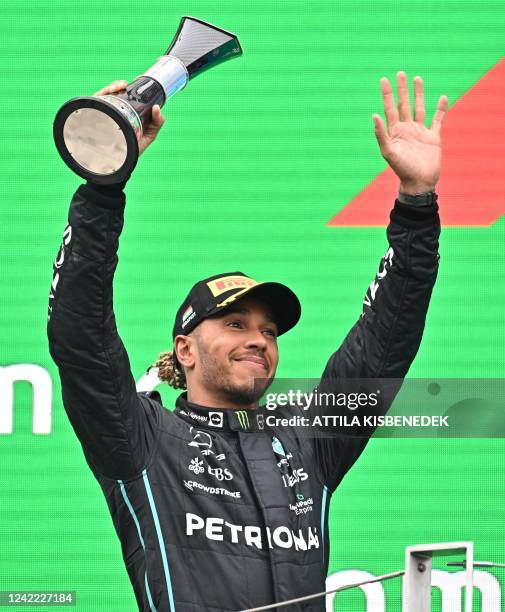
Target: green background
{"points": [[254, 159]]}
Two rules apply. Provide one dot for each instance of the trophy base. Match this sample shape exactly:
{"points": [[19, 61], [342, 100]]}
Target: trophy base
{"points": [[97, 138]]}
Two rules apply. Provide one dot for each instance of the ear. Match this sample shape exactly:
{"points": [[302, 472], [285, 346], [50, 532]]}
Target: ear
{"points": [[185, 349]]}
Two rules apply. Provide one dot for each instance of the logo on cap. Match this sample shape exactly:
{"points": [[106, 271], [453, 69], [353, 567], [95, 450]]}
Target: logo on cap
{"points": [[187, 315], [227, 283]]}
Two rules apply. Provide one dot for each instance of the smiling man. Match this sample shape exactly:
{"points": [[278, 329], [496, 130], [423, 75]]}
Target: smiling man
{"points": [[225, 340], [215, 509]]}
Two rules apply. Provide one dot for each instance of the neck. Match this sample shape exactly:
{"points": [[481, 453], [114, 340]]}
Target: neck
{"points": [[202, 397]]}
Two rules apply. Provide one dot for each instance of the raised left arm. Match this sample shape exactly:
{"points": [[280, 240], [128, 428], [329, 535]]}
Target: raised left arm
{"points": [[386, 337]]}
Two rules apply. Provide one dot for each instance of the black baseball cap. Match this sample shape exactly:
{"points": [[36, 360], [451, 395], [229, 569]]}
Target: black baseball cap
{"points": [[216, 293]]}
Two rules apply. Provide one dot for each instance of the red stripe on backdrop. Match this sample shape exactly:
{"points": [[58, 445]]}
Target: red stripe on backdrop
{"points": [[472, 186]]}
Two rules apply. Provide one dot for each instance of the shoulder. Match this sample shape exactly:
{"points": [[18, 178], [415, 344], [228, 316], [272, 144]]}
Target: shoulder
{"points": [[164, 418]]}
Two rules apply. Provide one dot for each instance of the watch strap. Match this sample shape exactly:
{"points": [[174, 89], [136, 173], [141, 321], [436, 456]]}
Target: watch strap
{"points": [[426, 198]]}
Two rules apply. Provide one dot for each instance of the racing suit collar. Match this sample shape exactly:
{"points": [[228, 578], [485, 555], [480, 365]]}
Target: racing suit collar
{"points": [[217, 418]]}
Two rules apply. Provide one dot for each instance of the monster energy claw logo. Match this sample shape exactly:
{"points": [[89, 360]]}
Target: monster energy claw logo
{"points": [[243, 419]]}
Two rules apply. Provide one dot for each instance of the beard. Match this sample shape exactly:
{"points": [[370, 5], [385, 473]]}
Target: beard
{"points": [[217, 377]]}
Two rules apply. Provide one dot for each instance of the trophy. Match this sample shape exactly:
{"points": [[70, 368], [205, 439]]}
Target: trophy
{"points": [[97, 137]]}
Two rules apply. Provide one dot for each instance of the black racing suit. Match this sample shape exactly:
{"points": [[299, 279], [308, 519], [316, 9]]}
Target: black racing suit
{"points": [[215, 510]]}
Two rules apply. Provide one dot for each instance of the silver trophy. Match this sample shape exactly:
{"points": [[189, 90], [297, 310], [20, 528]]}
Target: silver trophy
{"points": [[97, 137]]}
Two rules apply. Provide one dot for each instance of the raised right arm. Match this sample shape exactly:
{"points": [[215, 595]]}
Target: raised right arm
{"points": [[115, 425]]}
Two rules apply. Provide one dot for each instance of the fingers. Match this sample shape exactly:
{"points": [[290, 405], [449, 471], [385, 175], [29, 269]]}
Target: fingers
{"points": [[389, 102], [152, 129], [439, 115], [157, 118], [114, 87], [381, 133], [392, 114], [404, 112], [403, 97], [419, 112]]}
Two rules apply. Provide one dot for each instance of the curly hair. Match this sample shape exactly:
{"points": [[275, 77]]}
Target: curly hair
{"points": [[169, 370]]}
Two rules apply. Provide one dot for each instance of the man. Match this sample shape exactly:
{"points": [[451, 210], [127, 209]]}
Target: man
{"points": [[215, 509]]}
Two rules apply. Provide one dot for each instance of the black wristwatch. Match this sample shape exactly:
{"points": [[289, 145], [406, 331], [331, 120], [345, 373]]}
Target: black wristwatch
{"points": [[426, 198]]}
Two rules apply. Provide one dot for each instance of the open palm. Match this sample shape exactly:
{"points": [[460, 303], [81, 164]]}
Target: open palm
{"points": [[413, 151]]}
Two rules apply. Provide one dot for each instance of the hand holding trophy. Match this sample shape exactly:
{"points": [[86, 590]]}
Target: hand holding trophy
{"points": [[100, 137], [149, 130]]}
